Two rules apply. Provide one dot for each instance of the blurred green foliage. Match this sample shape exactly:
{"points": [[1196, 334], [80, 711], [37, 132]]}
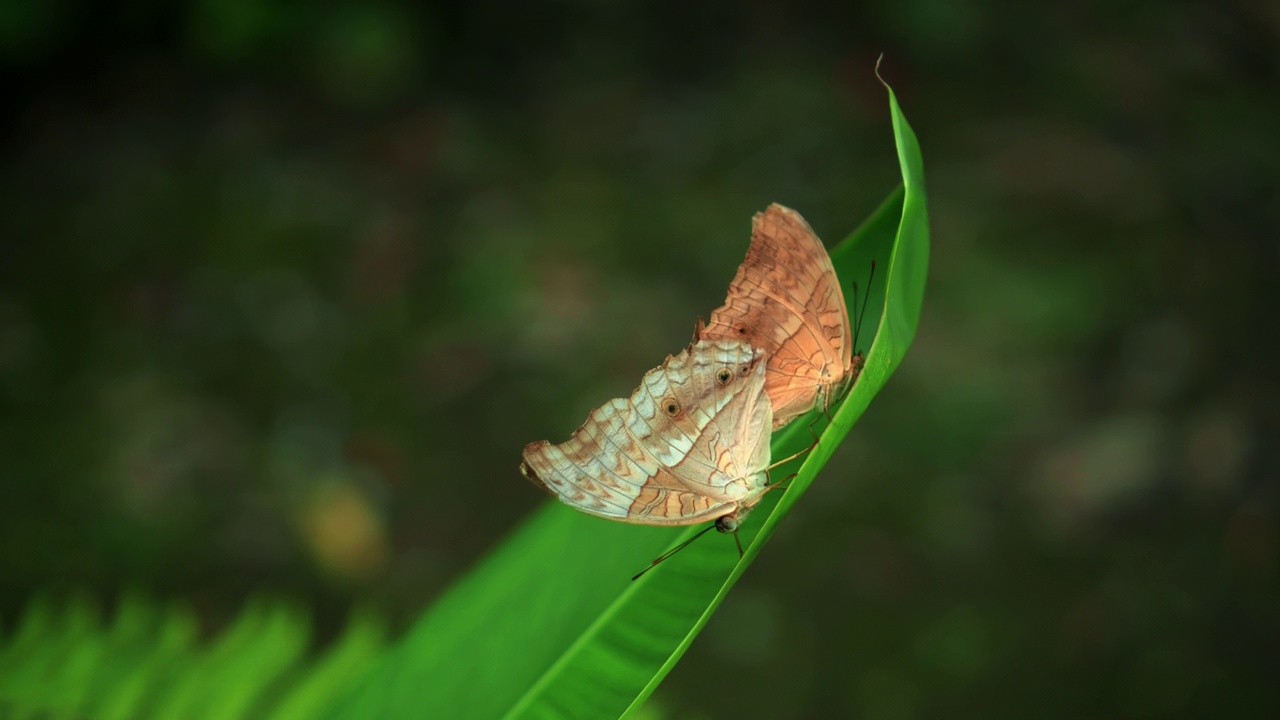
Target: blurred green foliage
{"points": [[285, 288], [63, 660]]}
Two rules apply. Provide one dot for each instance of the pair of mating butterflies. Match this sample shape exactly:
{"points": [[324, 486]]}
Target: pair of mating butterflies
{"points": [[691, 444]]}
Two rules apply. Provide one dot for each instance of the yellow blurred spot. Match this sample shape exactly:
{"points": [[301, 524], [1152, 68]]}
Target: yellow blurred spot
{"points": [[343, 532]]}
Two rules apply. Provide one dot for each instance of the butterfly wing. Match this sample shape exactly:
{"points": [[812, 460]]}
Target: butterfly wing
{"points": [[736, 439], [670, 454], [787, 300]]}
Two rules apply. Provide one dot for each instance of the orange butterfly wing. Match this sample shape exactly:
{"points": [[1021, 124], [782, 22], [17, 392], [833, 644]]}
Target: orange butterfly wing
{"points": [[786, 300]]}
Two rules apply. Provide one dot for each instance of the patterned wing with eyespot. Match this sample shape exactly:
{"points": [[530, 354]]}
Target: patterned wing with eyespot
{"points": [[787, 300], [688, 445]]}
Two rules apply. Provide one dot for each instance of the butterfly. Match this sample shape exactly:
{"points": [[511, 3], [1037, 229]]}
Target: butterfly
{"points": [[690, 445], [786, 300]]}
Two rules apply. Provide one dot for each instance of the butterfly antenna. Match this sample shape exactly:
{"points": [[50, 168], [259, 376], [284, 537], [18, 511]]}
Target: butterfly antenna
{"points": [[855, 313], [677, 549], [857, 325]]}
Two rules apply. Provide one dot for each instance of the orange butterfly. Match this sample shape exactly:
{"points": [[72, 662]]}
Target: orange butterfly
{"points": [[787, 301]]}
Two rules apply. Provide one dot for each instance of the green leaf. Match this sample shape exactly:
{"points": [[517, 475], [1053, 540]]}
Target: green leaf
{"points": [[550, 626], [231, 675], [63, 662], [143, 662], [51, 650], [348, 659]]}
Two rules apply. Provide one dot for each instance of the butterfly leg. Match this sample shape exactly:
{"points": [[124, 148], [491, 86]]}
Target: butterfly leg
{"points": [[779, 485], [805, 451]]}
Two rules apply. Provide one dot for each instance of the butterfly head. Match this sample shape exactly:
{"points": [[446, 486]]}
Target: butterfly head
{"points": [[731, 522], [728, 523]]}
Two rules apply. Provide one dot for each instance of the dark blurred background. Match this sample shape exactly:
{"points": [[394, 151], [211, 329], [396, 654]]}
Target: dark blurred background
{"points": [[285, 288]]}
